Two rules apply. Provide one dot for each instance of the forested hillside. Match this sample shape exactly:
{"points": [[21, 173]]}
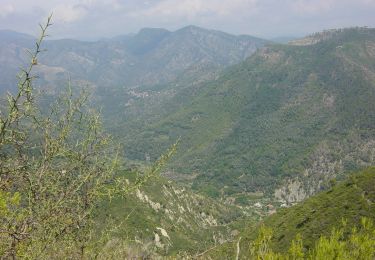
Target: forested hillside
{"points": [[341, 207], [289, 117], [188, 144]]}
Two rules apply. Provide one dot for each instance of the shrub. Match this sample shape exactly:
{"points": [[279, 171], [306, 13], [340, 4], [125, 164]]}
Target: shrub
{"points": [[56, 165]]}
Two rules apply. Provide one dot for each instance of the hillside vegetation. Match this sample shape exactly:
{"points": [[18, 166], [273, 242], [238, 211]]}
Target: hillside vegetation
{"points": [[166, 219], [250, 132], [348, 202], [285, 121]]}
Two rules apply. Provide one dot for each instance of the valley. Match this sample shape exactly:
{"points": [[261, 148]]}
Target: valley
{"points": [[278, 121], [281, 134]]}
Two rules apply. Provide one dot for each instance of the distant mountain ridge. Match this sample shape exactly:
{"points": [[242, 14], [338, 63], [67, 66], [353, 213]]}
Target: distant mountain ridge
{"points": [[9, 35], [152, 56]]}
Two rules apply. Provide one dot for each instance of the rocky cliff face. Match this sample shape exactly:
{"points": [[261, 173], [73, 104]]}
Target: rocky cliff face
{"points": [[330, 160]]}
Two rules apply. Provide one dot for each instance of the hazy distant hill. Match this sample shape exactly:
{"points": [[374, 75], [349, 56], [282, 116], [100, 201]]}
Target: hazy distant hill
{"points": [[289, 117], [150, 57], [12, 56]]}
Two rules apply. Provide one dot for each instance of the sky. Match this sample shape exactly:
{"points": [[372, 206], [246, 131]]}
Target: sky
{"points": [[94, 19]]}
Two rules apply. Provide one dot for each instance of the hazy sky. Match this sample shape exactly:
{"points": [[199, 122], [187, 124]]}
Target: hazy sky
{"points": [[87, 19]]}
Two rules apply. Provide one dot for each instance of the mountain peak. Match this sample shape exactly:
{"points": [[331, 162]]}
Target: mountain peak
{"points": [[152, 31], [192, 28]]}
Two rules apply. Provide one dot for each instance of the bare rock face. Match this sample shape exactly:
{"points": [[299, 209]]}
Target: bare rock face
{"points": [[329, 161], [292, 192], [175, 213]]}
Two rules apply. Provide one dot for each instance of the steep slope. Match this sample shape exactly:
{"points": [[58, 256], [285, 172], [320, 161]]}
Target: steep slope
{"points": [[288, 119], [167, 219], [350, 200]]}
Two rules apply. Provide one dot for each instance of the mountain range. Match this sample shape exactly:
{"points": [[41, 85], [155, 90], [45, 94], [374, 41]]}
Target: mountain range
{"points": [[284, 121], [152, 56], [262, 126], [253, 116]]}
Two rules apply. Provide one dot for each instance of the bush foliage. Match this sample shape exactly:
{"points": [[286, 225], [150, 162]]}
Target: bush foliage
{"points": [[57, 165], [360, 244]]}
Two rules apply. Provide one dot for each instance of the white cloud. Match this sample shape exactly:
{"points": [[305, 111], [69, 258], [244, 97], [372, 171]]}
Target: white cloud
{"points": [[312, 6], [79, 9], [368, 2], [6, 10], [68, 13], [96, 18], [321, 6], [193, 8]]}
